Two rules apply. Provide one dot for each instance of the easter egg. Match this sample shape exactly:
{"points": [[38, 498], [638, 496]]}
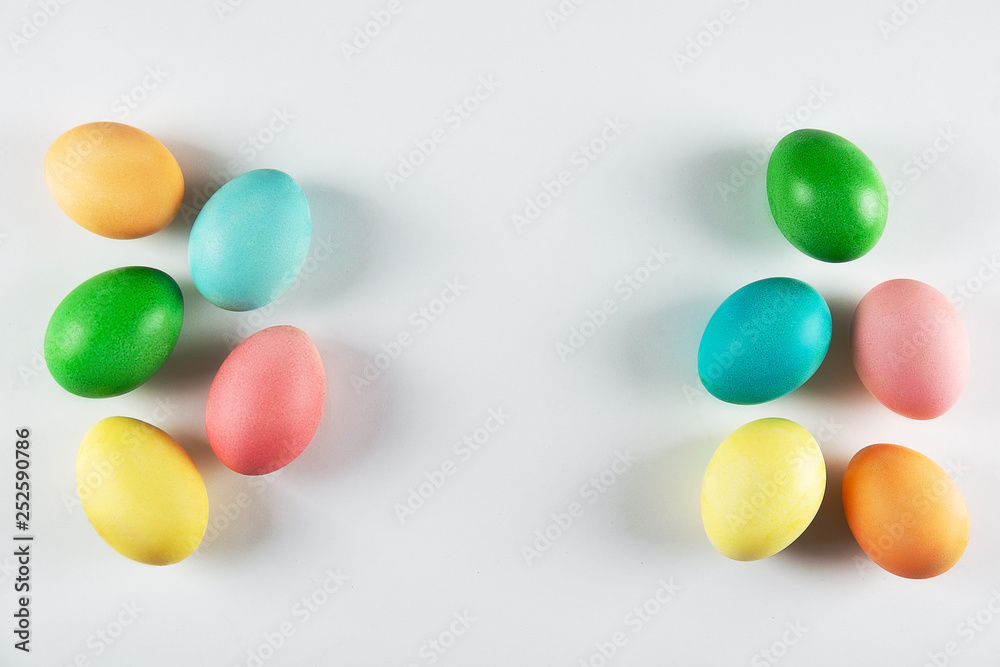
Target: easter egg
{"points": [[765, 340], [266, 401], [910, 348], [141, 491], [114, 331], [826, 196], [114, 180], [250, 240], [905, 512], [762, 488]]}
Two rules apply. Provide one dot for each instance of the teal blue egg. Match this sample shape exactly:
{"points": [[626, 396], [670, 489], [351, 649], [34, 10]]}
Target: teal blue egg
{"points": [[764, 341], [250, 240]]}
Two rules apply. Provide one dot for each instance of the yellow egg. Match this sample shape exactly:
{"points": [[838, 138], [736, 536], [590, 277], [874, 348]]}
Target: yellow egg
{"points": [[114, 180], [141, 491], [762, 488]]}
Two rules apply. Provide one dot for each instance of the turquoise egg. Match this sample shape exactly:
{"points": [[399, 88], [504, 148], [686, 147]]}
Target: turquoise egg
{"points": [[250, 240], [764, 341]]}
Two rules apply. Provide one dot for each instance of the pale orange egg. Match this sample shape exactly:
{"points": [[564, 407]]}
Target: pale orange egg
{"points": [[907, 514], [114, 180]]}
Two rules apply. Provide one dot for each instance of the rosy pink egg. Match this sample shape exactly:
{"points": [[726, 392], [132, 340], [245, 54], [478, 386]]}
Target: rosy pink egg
{"points": [[265, 403], [910, 348]]}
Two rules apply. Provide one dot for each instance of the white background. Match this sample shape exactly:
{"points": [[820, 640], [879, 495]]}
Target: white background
{"points": [[632, 389]]}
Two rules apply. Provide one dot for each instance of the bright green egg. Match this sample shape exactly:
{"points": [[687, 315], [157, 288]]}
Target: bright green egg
{"points": [[826, 195], [114, 331]]}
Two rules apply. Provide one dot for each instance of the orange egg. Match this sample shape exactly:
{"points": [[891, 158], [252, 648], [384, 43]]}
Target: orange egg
{"points": [[907, 514], [114, 180]]}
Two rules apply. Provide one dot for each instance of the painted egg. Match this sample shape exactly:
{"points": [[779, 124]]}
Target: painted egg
{"points": [[826, 196], [907, 514], [114, 180], [250, 240], [266, 401], [764, 341], [141, 491], [762, 488], [114, 331], [910, 348]]}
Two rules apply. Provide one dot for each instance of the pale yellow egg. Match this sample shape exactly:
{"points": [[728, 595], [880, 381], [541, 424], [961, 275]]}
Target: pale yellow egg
{"points": [[762, 488]]}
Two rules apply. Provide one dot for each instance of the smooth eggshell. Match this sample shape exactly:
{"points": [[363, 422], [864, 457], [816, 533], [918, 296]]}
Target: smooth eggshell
{"points": [[907, 514], [762, 488], [141, 491], [114, 180], [114, 331], [765, 340], [265, 403], [910, 348], [250, 240]]}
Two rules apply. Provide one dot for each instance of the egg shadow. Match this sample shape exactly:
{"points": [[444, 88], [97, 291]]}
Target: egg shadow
{"points": [[200, 348], [828, 537], [659, 349], [736, 216], [204, 173], [661, 497], [345, 232], [355, 411], [241, 509], [836, 377]]}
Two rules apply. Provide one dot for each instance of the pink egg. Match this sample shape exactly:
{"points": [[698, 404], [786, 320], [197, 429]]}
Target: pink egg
{"points": [[266, 401], [910, 348]]}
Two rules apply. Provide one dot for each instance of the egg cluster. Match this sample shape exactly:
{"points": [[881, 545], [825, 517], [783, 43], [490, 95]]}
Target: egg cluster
{"points": [[766, 481], [139, 488]]}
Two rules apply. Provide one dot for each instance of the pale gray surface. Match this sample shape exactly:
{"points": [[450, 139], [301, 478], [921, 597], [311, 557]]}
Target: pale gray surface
{"points": [[631, 390]]}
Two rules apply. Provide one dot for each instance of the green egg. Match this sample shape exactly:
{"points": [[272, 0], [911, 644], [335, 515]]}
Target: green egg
{"points": [[114, 331], [826, 195]]}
